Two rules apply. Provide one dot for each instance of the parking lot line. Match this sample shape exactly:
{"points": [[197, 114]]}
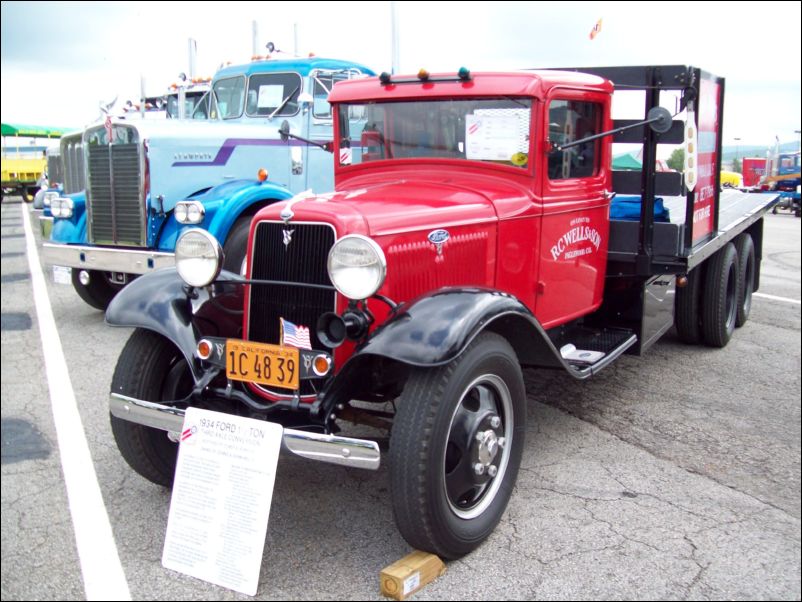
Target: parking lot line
{"points": [[103, 575], [776, 298]]}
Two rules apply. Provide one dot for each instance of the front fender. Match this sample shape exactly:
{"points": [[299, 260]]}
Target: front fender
{"points": [[224, 204], [71, 231], [434, 329], [158, 302]]}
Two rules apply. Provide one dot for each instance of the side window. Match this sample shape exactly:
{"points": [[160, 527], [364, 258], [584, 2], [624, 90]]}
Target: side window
{"points": [[322, 86], [571, 120]]}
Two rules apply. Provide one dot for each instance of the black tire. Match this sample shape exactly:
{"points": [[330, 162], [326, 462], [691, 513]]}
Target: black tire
{"points": [[745, 249], [236, 246], [152, 369], [99, 292], [687, 317], [440, 504], [720, 297]]}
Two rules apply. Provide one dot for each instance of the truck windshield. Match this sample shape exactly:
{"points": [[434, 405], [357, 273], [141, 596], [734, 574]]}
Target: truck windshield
{"points": [[273, 94], [230, 94], [494, 130]]}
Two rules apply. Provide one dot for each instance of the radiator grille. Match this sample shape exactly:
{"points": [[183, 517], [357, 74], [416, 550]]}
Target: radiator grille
{"points": [[303, 260], [116, 208], [72, 156]]}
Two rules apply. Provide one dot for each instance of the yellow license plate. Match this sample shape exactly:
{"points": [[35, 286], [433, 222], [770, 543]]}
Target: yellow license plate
{"points": [[262, 363]]}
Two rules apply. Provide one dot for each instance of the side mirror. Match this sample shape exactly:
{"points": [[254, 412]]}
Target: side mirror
{"points": [[659, 119], [284, 131]]}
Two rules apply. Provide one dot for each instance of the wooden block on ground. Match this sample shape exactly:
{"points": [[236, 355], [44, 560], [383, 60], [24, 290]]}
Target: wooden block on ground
{"points": [[406, 576]]}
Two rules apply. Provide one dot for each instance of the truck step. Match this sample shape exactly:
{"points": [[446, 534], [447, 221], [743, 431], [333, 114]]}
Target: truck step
{"points": [[587, 350]]}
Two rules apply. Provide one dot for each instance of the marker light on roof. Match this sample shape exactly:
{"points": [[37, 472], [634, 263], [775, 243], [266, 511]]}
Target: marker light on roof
{"points": [[464, 73], [384, 78], [423, 75]]}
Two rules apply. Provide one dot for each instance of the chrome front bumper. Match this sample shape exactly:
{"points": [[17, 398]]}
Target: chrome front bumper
{"points": [[357, 453], [126, 261]]}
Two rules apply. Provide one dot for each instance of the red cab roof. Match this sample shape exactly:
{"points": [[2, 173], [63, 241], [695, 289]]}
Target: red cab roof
{"points": [[536, 84]]}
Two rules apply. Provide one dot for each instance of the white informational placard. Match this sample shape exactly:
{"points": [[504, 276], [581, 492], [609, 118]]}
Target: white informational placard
{"points": [[62, 274], [221, 498], [491, 137], [270, 96]]}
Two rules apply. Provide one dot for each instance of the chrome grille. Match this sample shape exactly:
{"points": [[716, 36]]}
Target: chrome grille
{"points": [[114, 202], [72, 157], [55, 167]]}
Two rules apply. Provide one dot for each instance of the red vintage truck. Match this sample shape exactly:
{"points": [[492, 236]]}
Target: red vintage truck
{"points": [[474, 229]]}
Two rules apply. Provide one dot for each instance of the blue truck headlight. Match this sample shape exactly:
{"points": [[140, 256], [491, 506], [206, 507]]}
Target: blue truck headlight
{"points": [[357, 266], [61, 207], [198, 257], [49, 197], [189, 212]]}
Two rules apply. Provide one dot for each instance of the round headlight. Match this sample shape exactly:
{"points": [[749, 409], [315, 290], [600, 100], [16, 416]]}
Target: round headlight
{"points": [[181, 213], [357, 266], [198, 257]]}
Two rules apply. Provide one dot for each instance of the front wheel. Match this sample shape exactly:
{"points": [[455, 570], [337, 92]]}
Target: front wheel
{"points": [[150, 368], [455, 448]]}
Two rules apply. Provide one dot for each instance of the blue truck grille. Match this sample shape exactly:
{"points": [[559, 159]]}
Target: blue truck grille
{"points": [[114, 202]]}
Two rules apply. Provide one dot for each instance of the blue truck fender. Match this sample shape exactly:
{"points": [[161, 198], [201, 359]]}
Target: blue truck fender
{"points": [[224, 205]]}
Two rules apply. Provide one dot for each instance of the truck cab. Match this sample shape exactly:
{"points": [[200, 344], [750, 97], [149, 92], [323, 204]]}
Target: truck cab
{"points": [[139, 171], [469, 233]]}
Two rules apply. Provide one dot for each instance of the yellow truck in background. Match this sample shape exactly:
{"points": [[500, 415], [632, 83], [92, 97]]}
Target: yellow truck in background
{"points": [[22, 167]]}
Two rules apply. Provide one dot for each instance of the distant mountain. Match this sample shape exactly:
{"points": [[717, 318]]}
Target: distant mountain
{"points": [[728, 152]]}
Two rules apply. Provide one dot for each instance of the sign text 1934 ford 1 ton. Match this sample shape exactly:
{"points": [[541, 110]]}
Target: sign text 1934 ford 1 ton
{"points": [[469, 234]]}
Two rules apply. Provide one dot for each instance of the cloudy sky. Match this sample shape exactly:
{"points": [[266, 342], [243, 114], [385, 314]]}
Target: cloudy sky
{"points": [[60, 59]]}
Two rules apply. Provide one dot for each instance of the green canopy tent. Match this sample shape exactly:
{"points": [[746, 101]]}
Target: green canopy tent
{"points": [[627, 161], [33, 131]]}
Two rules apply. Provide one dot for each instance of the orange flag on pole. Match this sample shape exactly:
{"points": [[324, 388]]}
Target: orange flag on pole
{"points": [[596, 29]]}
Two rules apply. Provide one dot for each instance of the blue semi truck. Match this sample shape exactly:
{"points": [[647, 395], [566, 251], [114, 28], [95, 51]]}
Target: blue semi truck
{"points": [[145, 181]]}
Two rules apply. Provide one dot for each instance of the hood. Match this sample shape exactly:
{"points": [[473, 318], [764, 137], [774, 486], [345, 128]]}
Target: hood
{"points": [[403, 204]]}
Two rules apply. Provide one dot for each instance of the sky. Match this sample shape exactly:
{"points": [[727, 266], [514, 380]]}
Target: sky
{"points": [[61, 59]]}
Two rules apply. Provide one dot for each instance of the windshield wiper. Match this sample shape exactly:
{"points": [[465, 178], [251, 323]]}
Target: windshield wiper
{"points": [[284, 102]]}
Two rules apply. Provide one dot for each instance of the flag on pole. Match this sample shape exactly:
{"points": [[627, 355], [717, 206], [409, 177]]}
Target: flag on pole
{"points": [[295, 336], [596, 29]]}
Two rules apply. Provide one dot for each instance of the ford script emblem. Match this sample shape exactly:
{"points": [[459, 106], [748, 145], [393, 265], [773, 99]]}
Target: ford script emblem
{"points": [[438, 238]]}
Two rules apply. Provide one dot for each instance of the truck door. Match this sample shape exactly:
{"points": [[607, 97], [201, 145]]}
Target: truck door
{"points": [[575, 183]]}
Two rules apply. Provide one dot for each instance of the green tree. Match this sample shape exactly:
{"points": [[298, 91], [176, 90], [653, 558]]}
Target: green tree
{"points": [[677, 159], [737, 166]]}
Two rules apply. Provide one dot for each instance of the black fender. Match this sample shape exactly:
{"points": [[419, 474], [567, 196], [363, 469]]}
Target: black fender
{"points": [[158, 301], [436, 328]]}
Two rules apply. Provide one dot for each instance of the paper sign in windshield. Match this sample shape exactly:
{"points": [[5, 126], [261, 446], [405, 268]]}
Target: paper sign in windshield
{"points": [[270, 96], [491, 137]]}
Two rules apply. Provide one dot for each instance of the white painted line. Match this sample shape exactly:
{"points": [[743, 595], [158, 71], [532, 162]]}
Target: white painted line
{"points": [[102, 571], [775, 298]]}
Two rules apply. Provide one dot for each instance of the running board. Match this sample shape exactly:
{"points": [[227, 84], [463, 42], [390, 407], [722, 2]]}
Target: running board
{"points": [[585, 369]]}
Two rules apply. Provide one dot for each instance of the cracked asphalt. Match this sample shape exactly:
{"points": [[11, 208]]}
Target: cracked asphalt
{"points": [[671, 476]]}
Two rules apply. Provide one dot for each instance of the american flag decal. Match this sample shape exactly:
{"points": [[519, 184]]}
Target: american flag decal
{"points": [[295, 336]]}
